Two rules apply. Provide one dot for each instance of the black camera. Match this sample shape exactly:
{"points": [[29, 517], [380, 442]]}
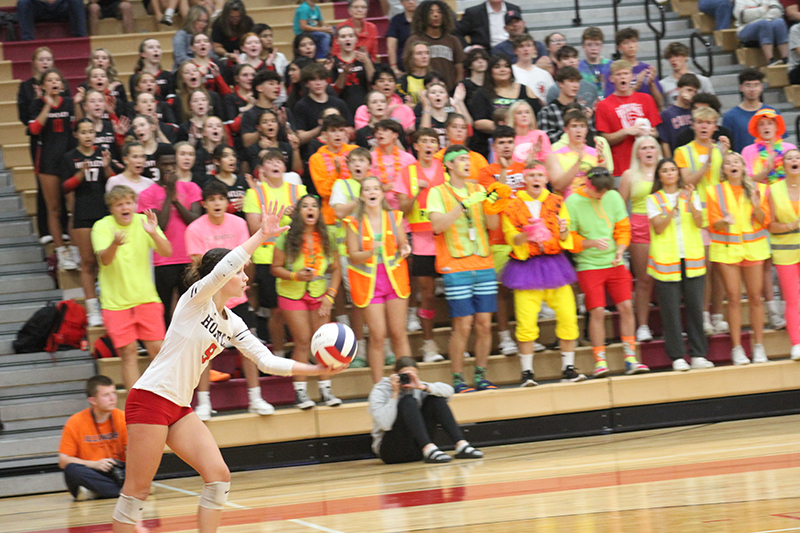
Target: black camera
{"points": [[405, 379], [117, 473]]}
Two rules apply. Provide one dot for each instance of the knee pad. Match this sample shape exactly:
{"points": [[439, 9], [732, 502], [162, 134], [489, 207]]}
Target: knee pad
{"points": [[215, 495], [430, 314], [128, 510]]}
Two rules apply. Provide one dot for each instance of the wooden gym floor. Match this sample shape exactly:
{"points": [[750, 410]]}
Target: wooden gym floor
{"points": [[741, 476]]}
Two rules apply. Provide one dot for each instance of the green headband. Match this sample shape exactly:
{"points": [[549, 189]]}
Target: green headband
{"points": [[452, 155]]}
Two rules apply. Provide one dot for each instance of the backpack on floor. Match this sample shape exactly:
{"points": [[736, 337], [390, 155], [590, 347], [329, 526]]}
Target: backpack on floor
{"points": [[70, 327], [33, 335]]}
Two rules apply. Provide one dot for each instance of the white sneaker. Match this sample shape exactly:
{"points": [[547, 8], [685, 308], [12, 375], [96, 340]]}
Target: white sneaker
{"points": [[795, 353], [45, 239], [775, 318], [708, 327], [738, 357], [643, 334], [76, 254], [539, 347], [412, 323], [545, 313], [699, 363], [430, 352], [65, 261], [84, 494], [759, 354], [581, 304], [507, 346], [720, 326], [204, 411], [680, 365], [94, 316], [438, 287], [327, 397], [343, 319], [260, 406], [302, 400]]}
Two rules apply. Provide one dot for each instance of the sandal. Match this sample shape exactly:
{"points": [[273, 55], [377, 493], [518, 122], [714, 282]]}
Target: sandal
{"points": [[469, 453], [438, 456]]}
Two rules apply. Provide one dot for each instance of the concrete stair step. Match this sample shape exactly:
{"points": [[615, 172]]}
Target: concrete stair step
{"points": [[7, 343], [21, 255], [17, 283], [19, 446], [16, 228], [11, 315], [41, 391], [34, 425], [32, 360], [33, 297], [65, 405], [57, 372], [11, 327], [33, 484]]}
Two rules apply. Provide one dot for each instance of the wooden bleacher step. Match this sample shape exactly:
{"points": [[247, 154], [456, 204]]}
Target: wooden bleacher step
{"points": [[792, 93], [727, 39], [776, 75], [685, 8], [751, 57], [703, 23]]}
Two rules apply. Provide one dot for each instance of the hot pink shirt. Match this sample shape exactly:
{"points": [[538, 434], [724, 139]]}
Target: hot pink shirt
{"points": [[524, 146], [153, 197], [202, 235], [423, 242], [402, 114], [406, 159]]}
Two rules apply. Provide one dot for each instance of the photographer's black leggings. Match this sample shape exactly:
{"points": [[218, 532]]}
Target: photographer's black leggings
{"points": [[77, 475], [413, 427]]}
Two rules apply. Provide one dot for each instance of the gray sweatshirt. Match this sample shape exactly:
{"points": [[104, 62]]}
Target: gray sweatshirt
{"points": [[383, 408]]}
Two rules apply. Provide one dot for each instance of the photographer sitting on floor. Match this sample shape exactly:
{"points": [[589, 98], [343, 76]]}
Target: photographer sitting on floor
{"points": [[92, 450], [405, 412]]}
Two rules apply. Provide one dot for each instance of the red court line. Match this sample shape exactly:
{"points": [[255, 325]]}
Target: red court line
{"points": [[464, 493]]}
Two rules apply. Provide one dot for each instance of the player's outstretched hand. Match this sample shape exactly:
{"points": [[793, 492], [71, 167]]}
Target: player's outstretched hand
{"points": [[271, 219]]}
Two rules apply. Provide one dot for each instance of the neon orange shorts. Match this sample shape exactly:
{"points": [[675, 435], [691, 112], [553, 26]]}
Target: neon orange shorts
{"points": [[144, 322]]}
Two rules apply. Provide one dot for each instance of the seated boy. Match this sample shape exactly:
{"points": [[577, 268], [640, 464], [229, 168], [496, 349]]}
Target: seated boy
{"points": [[601, 232], [132, 310]]}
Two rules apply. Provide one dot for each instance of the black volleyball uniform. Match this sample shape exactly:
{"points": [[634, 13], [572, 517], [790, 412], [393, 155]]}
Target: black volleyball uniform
{"points": [[90, 205], [55, 136]]}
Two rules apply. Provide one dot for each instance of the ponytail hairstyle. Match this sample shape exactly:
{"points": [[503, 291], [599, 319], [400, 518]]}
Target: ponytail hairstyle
{"points": [[361, 208], [657, 185], [140, 61], [294, 237], [202, 268], [747, 182]]}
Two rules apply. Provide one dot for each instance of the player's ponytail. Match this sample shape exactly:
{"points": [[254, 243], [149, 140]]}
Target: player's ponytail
{"points": [[202, 268]]}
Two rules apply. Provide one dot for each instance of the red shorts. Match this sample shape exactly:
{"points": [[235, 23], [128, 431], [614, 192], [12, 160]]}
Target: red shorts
{"points": [[306, 303], [640, 228], [144, 322], [145, 407], [616, 281]]}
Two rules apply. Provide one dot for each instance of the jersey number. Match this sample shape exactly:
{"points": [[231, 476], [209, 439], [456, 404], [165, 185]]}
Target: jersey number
{"points": [[92, 174], [155, 173], [209, 352], [58, 125]]}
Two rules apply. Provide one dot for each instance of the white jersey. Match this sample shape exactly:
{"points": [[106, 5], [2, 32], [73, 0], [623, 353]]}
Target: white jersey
{"points": [[198, 333]]}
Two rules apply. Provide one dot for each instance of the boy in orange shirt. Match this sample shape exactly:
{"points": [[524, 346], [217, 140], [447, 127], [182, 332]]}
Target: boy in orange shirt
{"points": [[330, 162], [506, 172]]}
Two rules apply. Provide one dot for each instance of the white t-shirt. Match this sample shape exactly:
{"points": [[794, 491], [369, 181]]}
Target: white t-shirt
{"points": [[538, 79], [198, 333], [497, 24], [653, 210], [137, 187]]}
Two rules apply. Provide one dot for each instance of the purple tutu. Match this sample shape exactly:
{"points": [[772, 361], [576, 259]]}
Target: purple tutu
{"points": [[538, 273]]}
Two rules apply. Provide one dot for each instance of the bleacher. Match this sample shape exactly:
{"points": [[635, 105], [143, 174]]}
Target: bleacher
{"points": [[38, 393]]}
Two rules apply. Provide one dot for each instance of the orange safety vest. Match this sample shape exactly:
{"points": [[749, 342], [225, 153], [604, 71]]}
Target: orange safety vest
{"points": [[363, 277], [418, 218]]}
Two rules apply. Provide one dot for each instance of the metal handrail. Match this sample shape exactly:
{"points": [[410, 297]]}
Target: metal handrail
{"points": [[705, 72], [659, 34], [577, 20], [797, 127], [614, 3]]}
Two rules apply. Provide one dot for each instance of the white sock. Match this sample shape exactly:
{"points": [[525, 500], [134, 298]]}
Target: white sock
{"points": [[461, 448], [254, 394], [567, 359], [717, 318], [203, 397], [300, 385], [706, 316], [526, 361], [169, 12], [412, 311], [504, 335], [362, 349], [322, 383]]}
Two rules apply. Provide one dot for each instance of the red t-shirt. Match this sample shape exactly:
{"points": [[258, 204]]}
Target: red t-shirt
{"points": [[618, 112]]}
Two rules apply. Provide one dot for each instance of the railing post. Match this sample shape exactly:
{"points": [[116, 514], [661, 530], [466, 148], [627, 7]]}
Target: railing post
{"points": [[705, 72], [614, 3], [658, 33]]}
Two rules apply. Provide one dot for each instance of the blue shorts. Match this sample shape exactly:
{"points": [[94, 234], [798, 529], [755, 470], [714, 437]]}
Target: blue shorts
{"points": [[470, 292]]}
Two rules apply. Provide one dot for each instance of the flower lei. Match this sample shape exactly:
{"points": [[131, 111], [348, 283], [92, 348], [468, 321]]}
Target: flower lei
{"points": [[313, 258], [398, 168], [330, 168], [777, 173]]}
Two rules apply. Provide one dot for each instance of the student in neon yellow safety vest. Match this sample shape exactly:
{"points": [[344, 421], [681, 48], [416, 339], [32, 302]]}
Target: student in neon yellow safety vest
{"points": [[700, 163], [677, 263], [412, 190], [464, 259], [784, 204], [738, 215], [344, 200]]}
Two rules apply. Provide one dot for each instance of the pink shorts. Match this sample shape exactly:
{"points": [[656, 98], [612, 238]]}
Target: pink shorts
{"points": [[640, 229], [145, 407], [706, 237], [383, 287], [306, 303], [144, 322]]}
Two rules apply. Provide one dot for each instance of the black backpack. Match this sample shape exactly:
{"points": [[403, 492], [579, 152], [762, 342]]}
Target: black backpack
{"points": [[34, 334]]}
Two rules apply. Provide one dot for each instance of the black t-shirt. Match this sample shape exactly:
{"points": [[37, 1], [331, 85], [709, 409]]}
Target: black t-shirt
{"points": [[483, 106], [106, 139], [365, 138], [27, 94], [237, 190], [150, 169], [203, 166], [55, 138], [215, 109], [437, 125], [308, 111], [356, 85], [253, 154], [230, 44], [90, 205], [165, 81], [233, 105]]}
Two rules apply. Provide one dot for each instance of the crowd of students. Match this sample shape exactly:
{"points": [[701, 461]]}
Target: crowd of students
{"points": [[493, 174]]}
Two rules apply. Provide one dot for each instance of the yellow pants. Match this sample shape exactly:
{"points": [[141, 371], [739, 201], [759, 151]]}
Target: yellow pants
{"points": [[527, 305]]}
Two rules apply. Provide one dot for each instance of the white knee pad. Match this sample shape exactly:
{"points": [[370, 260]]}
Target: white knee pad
{"points": [[215, 495], [128, 510]]}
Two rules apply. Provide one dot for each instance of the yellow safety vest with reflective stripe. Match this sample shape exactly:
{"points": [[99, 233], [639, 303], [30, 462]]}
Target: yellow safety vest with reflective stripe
{"points": [[293, 197], [456, 247], [363, 277], [692, 157], [664, 261], [295, 290], [785, 246], [353, 192], [744, 239]]}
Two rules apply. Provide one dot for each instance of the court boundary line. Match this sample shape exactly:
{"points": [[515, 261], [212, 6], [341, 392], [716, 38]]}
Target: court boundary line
{"points": [[190, 493], [313, 526]]}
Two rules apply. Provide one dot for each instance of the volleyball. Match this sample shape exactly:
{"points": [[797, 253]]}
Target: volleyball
{"points": [[334, 345]]}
